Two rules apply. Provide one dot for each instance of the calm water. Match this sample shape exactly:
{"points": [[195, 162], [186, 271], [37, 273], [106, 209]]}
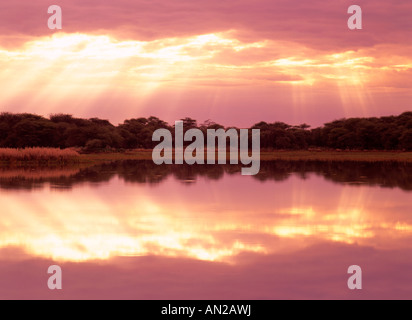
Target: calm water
{"points": [[134, 230]]}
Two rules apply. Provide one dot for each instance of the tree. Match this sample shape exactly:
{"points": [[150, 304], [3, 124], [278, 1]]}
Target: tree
{"points": [[405, 141]]}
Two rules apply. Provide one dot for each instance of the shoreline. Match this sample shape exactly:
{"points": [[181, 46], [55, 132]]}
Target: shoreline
{"points": [[300, 155], [85, 160]]}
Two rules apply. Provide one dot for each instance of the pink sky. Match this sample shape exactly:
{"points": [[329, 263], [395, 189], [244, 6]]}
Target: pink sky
{"points": [[235, 62]]}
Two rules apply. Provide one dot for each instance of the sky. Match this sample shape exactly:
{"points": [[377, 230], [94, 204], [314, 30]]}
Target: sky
{"points": [[234, 62]]}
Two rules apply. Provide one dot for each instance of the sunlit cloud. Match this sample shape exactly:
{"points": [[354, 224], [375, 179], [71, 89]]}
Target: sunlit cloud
{"points": [[75, 72]]}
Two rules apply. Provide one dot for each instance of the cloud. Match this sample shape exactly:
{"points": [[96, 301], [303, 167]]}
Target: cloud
{"points": [[317, 23], [293, 61]]}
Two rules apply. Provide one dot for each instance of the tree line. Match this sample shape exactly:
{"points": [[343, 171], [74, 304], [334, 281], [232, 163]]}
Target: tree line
{"points": [[94, 134]]}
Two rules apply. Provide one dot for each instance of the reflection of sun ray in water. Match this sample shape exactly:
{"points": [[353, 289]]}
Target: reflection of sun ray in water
{"points": [[117, 219]]}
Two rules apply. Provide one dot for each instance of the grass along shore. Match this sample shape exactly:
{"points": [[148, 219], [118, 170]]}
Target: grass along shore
{"points": [[38, 155], [53, 157]]}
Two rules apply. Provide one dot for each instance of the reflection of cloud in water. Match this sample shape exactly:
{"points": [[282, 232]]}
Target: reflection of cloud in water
{"points": [[315, 272], [213, 220]]}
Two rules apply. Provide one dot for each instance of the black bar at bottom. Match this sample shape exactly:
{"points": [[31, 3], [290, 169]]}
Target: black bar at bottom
{"points": [[210, 309]]}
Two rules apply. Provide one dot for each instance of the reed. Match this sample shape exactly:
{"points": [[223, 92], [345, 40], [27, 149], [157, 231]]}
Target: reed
{"points": [[38, 155]]}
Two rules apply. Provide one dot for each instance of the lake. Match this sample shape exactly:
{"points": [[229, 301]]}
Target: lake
{"points": [[135, 230]]}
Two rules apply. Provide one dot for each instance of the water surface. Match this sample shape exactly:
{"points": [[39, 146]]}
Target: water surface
{"points": [[134, 230]]}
